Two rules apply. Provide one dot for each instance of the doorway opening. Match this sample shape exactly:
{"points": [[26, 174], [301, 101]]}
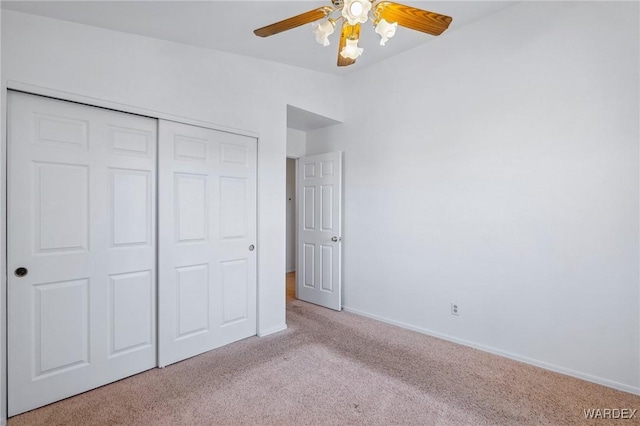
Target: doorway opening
{"points": [[299, 123]]}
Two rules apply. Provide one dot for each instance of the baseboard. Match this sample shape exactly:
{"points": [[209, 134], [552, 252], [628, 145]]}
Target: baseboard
{"points": [[526, 360], [290, 270], [272, 330]]}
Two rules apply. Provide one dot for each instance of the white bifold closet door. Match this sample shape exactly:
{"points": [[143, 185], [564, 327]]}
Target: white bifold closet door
{"points": [[207, 224], [81, 248]]}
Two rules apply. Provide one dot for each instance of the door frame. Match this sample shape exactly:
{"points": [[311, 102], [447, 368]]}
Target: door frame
{"points": [[100, 103], [295, 213]]}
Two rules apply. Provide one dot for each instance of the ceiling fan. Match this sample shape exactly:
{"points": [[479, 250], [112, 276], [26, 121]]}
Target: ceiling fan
{"points": [[385, 16]]}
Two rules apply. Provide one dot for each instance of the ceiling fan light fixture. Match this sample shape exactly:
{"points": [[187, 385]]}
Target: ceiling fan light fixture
{"points": [[385, 30], [322, 31], [356, 11], [351, 49], [351, 14]]}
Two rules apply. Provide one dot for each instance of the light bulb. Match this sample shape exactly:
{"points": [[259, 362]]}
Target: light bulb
{"points": [[386, 30], [356, 8], [351, 49], [356, 11], [322, 30]]}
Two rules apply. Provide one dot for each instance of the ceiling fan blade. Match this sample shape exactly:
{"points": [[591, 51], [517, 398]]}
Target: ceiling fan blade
{"points": [[294, 21], [348, 31], [410, 17]]}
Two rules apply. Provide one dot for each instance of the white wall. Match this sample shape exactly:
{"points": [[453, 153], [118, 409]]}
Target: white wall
{"points": [[296, 143], [185, 81], [497, 167]]}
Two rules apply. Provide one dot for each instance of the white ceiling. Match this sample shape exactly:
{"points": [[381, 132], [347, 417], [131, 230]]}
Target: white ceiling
{"points": [[228, 26]]}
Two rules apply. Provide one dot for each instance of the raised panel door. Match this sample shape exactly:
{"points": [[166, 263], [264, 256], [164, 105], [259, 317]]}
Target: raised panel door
{"points": [[319, 277], [207, 272], [81, 216]]}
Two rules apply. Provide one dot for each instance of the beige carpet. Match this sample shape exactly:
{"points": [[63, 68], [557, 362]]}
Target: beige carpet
{"points": [[338, 368]]}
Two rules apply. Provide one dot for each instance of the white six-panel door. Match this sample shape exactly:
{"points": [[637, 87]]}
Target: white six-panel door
{"points": [[81, 216], [207, 256], [319, 275]]}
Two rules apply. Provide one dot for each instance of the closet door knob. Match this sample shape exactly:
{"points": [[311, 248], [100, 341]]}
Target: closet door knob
{"points": [[252, 247], [21, 272]]}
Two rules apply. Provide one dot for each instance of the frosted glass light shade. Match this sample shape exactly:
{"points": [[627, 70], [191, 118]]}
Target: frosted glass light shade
{"points": [[322, 30], [356, 11], [386, 30], [351, 50]]}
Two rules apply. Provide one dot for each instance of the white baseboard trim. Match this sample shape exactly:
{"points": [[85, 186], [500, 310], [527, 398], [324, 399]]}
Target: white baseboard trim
{"points": [[547, 366], [290, 270], [272, 330]]}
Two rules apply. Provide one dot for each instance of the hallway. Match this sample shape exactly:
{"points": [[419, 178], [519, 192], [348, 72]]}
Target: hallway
{"points": [[290, 282]]}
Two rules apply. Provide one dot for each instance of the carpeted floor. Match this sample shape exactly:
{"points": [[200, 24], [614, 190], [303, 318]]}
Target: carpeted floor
{"points": [[338, 368]]}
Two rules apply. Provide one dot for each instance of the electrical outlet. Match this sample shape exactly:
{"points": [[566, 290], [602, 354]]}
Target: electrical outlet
{"points": [[454, 309]]}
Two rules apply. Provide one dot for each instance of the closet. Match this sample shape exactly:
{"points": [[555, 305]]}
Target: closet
{"points": [[130, 241]]}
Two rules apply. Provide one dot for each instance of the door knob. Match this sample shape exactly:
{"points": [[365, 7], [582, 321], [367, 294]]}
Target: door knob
{"points": [[21, 272], [252, 247], [336, 239]]}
